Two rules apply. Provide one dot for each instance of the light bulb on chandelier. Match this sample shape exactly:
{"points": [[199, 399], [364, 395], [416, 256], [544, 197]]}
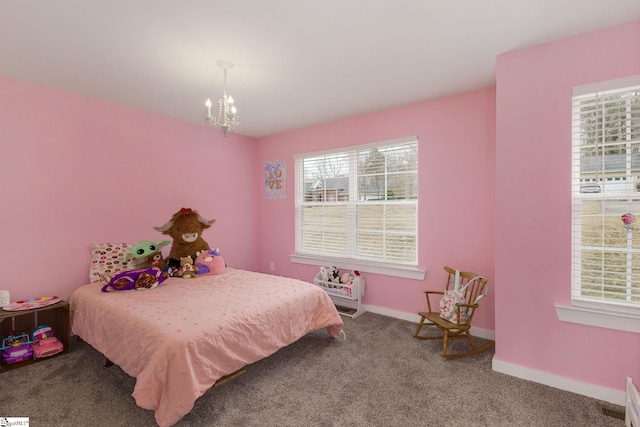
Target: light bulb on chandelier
{"points": [[228, 119]]}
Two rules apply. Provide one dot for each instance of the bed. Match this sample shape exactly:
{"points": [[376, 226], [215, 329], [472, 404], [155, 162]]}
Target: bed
{"points": [[178, 339]]}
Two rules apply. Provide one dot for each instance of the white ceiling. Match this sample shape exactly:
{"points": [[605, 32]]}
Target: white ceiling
{"points": [[297, 62]]}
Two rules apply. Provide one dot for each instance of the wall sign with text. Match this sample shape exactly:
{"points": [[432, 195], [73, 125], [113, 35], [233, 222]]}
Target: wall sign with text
{"points": [[274, 179]]}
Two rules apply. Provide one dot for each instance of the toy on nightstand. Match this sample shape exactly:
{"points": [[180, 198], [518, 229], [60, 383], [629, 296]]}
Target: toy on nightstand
{"points": [[16, 348], [45, 343]]}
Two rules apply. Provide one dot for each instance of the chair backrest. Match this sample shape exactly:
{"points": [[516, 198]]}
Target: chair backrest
{"points": [[474, 291]]}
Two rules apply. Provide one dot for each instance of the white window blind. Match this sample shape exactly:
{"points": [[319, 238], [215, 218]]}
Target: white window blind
{"points": [[605, 194], [359, 203]]}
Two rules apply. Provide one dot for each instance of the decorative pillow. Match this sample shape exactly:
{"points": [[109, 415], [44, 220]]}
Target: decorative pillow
{"points": [[107, 261]]}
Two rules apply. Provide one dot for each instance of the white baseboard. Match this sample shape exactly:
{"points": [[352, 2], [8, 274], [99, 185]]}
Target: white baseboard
{"points": [[616, 397], [415, 318]]}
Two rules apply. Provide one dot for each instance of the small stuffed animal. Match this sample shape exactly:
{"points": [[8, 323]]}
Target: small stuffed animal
{"points": [[187, 269], [334, 274], [210, 262], [324, 274], [173, 265], [346, 278], [155, 260], [141, 279], [141, 253]]}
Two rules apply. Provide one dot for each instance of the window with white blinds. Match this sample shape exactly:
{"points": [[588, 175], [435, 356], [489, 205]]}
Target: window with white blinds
{"points": [[606, 195], [359, 203]]}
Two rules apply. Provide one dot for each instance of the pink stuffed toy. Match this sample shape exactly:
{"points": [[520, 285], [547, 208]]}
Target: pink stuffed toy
{"points": [[210, 262]]}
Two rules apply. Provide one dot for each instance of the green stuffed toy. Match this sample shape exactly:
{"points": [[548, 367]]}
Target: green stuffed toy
{"points": [[143, 253]]}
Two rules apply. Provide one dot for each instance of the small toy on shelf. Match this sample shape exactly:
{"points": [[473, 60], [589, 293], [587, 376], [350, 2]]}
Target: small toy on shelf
{"points": [[334, 274], [45, 343], [324, 274], [16, 348], [346, 278]]}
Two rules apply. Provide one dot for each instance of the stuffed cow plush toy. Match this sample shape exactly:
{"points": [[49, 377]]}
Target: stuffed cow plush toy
{"points": [[185, 227]]}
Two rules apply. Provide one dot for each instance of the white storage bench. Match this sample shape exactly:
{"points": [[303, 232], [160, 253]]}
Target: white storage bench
{"points": [[346, 296]]}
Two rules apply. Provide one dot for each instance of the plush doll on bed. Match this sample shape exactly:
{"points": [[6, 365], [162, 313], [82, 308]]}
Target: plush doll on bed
{"points": [[141, 279], [187, 270], [156, 258], [142, 253], [210, 262], [173, 265], [185, 227]]}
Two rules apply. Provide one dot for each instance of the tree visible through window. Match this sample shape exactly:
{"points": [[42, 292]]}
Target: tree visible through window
{"points": [[606, 197], [359, 203]]}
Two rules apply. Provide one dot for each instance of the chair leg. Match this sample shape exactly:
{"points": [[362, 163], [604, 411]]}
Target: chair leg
{"points": [[474, 348], [445, 342], [471, 341], [419, 327]]}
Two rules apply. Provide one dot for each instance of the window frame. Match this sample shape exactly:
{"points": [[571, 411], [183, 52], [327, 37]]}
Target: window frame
{"points": [[597, 311], [399, 269]]}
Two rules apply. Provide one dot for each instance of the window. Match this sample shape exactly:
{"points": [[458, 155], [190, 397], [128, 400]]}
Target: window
{"points": [[606, 196], [359, 204]]}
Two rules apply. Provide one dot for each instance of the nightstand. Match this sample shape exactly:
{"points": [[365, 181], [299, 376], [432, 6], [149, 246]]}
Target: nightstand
{"points": [[56, 315]]}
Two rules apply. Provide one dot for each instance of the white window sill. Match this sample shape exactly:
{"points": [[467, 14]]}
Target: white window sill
{"points": [[395, 270], [601, 317]]}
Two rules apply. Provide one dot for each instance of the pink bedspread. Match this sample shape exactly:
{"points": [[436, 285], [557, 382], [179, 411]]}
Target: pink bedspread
{"points": [[178, 339]]}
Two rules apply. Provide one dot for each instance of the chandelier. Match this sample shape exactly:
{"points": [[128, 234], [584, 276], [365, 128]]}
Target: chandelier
{"points": [[227, 119]]}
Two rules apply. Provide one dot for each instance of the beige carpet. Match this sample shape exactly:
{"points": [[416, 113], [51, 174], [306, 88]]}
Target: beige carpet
{"points": [[378, 376]]}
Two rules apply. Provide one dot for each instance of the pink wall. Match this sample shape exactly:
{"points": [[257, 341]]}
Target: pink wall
{"points": [[74, 171], [494, 194], [456, 185], [533, 208]]}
